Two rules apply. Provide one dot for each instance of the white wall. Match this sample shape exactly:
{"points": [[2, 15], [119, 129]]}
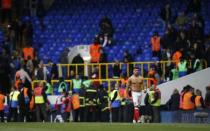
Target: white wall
{"points": [[83, 50], [198, 80]]}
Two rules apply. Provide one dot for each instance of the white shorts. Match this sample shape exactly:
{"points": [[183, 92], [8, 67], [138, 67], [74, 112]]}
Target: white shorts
{"points": [[137, 96]]}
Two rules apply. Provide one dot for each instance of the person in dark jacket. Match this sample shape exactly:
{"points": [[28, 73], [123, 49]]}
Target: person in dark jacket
{"points": [[116, 70], [194, 6], [166, 13], [106, 31], [207, 97], [103, 104], [24, 102], [78, 60], [54, 72], [103, 59], [128, 58], [173, 102]]}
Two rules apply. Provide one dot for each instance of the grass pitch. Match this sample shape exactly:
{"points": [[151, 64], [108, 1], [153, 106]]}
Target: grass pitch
{"points": [[101, 127]]}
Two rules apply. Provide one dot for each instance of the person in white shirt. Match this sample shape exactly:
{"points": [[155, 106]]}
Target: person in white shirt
{"points": [[22, 74]]}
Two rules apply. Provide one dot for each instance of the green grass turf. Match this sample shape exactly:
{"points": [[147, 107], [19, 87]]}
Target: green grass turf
{"points": [[101, 127]]}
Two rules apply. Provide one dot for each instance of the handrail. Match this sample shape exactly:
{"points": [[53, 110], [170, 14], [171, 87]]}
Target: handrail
{"points": [[93, 80], [106, 66]]}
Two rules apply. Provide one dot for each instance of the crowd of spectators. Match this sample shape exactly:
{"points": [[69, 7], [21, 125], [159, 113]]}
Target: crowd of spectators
{"points": [[183, 42]]}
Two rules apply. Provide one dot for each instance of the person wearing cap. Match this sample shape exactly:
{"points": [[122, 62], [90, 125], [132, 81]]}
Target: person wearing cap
{"points": [[136, 86]]}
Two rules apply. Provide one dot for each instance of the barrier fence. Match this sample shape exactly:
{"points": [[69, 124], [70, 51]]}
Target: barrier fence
{"points": [[106, 82], [105, 70]]}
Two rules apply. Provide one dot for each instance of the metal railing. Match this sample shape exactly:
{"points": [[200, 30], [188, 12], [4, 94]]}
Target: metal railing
{"points": [[101, 81], [104, 70]]}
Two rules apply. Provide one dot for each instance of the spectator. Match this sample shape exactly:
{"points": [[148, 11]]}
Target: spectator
{"points": [[194, 6], [6, 7], [182, 19], [72, 75], [182, 42], [28, 51], [42, 72], [195, 32], [86, 83], [41, 13], [5, 71], [2, 101], [7, 45], [152, 79], [95, 51], [76, 84], [207, 56], [48, 88], [127, 59], [103, 59], [62, 86], [158, 72], [174, 73], [95, 75], [16, 61], [27, 31], [197, 66], [166, 56], [23, 75], [30, 66], [176, 56], [173, 102], [166, 41], [182, 67], [166, 13], [207, 97], [13, 33], [79, 60], [124, 80], [54, 72], [106, 31], [116, 70], [199, 102], [172, 36], [155, 41], [33, 7]]}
